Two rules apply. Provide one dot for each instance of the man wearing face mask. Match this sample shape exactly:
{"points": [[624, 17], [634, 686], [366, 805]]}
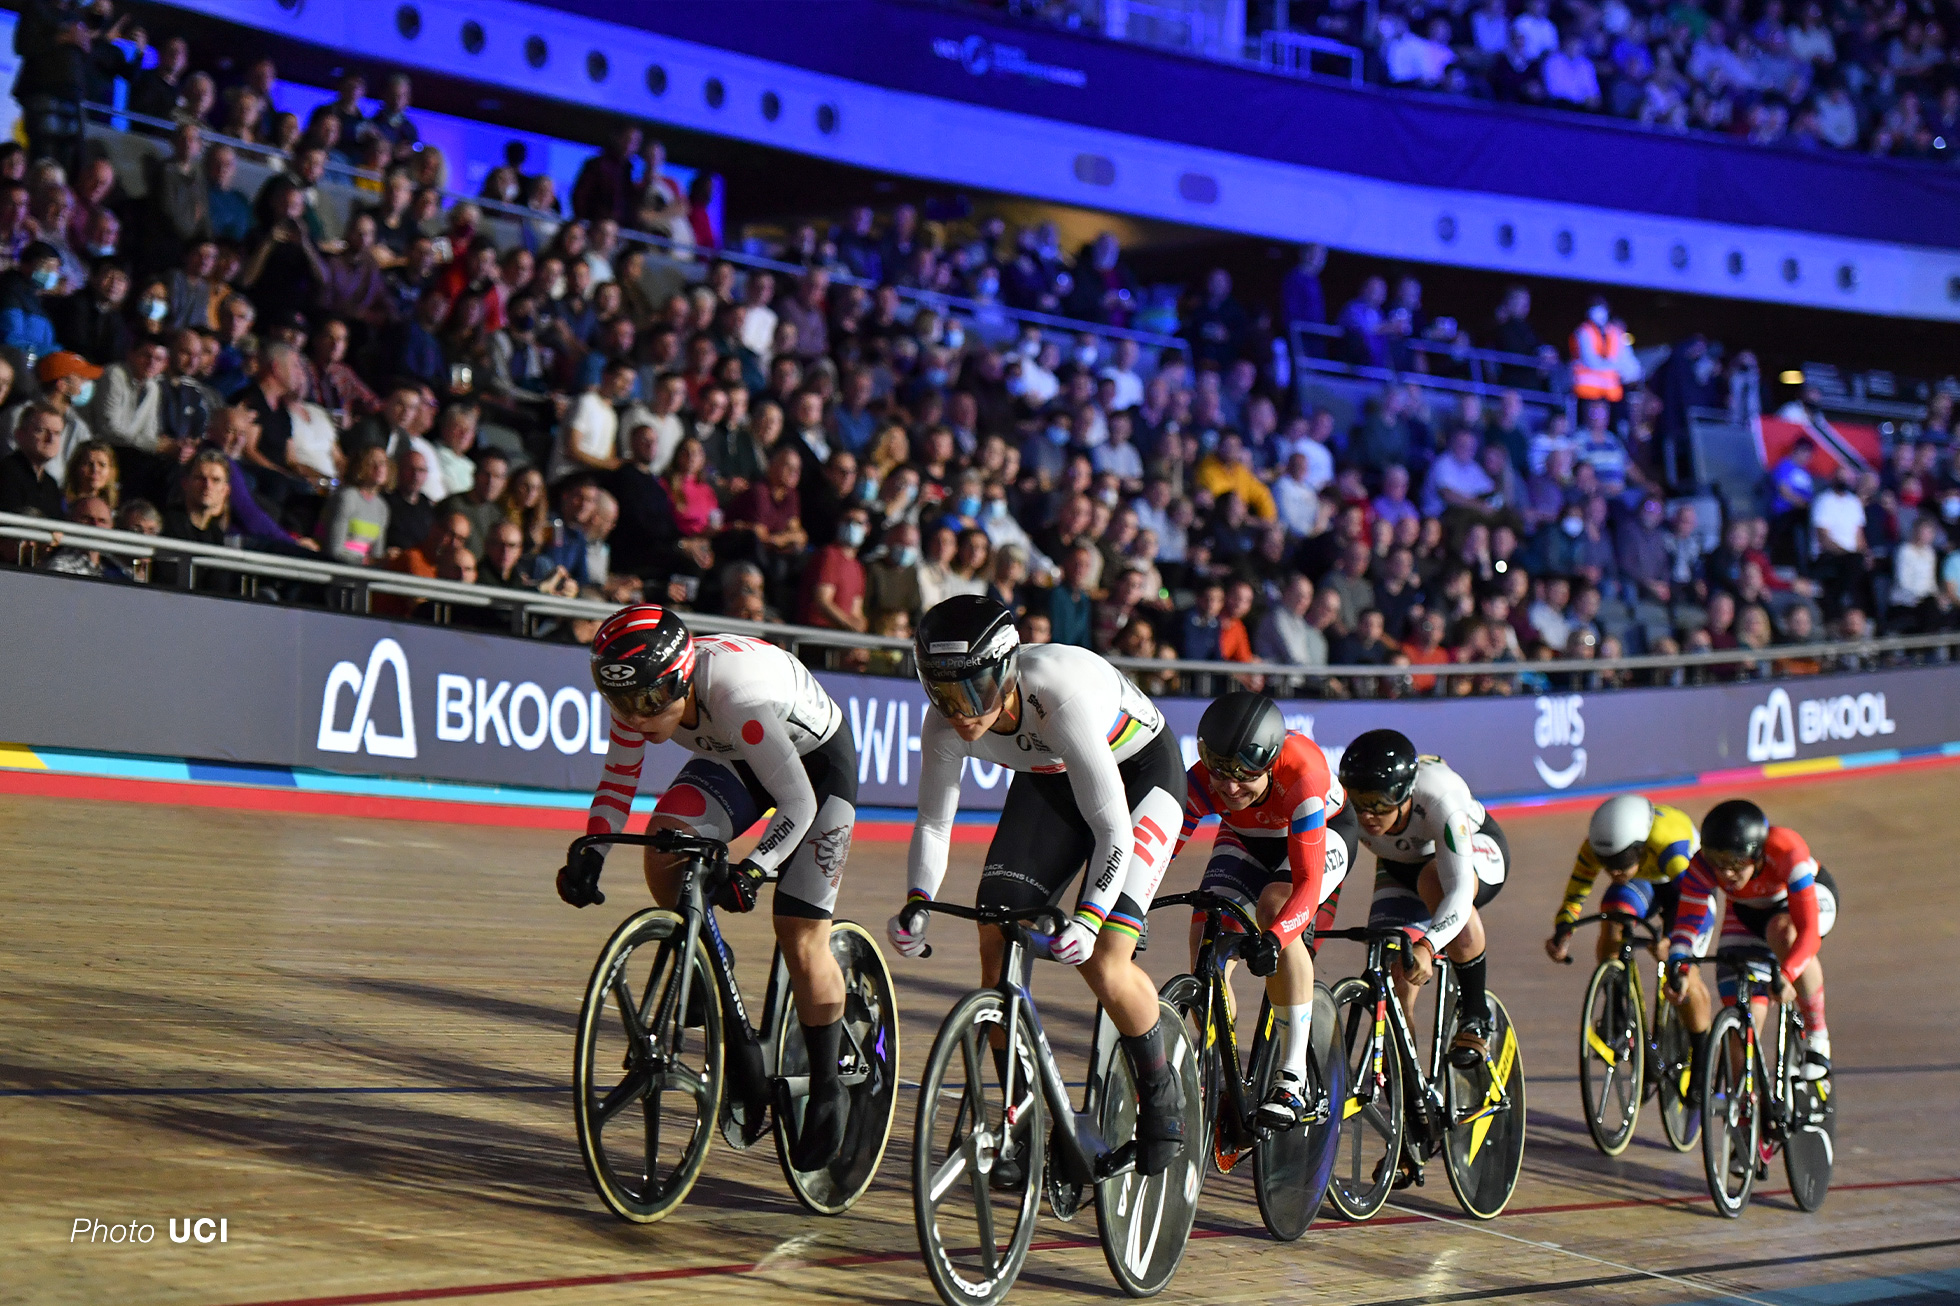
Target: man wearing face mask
{"points": [[25, 292], [67, 384], [891, 578], [835, 584], [90, 322]]}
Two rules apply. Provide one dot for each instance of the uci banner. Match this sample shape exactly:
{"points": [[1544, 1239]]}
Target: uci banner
{"points": [[125, 669]]}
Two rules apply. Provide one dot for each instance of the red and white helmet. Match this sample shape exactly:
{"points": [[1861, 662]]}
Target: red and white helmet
{"points": [[642, 659]]}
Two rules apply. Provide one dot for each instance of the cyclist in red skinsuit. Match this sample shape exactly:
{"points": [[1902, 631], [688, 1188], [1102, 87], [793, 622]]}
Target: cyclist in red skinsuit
{"points": [[1284, 845], [1776, 893]]}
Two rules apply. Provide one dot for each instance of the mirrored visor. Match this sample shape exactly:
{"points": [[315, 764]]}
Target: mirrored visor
{"points": [[973, 695]]}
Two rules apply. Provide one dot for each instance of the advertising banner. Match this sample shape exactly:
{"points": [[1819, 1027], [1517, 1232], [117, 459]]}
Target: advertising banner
{"points": [[125, 669]]}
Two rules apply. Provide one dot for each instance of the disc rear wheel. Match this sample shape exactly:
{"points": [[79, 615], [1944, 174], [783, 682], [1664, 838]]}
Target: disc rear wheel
{"points": [[1674, 1048], [1291, 1168], [869, 1056], [1145, 1221], [1484, 1150]]}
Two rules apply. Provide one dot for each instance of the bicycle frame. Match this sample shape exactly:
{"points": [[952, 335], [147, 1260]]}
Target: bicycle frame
{"points": [[1756, 970], [1079, 1149], [707, 863], [1214, 952], [1629, 942], [1428, 1109]]}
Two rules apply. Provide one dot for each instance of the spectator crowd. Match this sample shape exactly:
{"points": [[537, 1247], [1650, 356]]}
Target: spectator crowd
{"points": [[567, 414], [1877, 76]]}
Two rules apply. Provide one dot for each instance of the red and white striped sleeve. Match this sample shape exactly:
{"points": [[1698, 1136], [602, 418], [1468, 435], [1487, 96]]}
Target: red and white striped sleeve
{"points": [[612, 802]]}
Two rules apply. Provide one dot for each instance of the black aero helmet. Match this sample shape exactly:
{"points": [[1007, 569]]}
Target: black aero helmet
{"points": [[1378, 770], [642, 659], [1733, 832], [1240, 735], [965, 650]]}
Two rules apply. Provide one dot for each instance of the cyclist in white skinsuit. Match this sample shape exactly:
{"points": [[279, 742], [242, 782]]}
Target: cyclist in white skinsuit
{"points": [[1098, 780], [1439, 856], [764, 734]]}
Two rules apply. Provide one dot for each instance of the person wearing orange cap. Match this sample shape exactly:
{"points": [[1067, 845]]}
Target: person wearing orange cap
{"points": [[67, 382]]}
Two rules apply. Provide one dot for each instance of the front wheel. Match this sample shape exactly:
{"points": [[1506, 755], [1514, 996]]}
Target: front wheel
{"points": [[1191, 997], [973, 1234], [1291, 1168], [645, 1100], [1484, 1150], [1731, 1119], [1145, 1221], [1674, 1051], [870, 1070], [1611, 1047], [1369, 1118]]}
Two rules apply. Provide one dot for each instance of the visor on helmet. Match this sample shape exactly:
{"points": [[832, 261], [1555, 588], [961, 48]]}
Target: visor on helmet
{"points": [[1237, 766], [647, 700], [975, 694], [1377, 803]]}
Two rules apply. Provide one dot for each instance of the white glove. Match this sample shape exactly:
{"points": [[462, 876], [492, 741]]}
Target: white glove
{"points": [[907, 930], [1075, 943]]}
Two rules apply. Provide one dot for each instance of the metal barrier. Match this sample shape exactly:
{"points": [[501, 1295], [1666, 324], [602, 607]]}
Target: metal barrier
{"points": [[1292, 54], [1485, 367], [512, 222], [350, 589]]}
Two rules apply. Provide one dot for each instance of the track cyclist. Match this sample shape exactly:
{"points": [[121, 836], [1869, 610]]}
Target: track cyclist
{"points": [[1286, 839], [1644, 849], [1439, 856], [1097, 780], [1777, 893], [764, 734]]}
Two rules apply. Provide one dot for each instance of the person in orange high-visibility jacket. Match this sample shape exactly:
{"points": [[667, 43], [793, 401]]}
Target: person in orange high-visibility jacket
{"points": [[1602, 356]]}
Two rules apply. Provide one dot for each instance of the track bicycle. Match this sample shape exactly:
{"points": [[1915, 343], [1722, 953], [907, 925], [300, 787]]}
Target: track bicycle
{"points": [[652, 1077], [979, 1105], [1291, 1168], [1624, 1057], [1397, 1114], [1752, 1105]]}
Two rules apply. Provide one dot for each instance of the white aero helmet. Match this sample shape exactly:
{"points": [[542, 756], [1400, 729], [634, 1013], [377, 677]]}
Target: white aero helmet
{"points": [[1619, 826]]}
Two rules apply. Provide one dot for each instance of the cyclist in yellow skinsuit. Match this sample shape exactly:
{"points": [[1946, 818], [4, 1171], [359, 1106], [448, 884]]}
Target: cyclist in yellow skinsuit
{"points": [[1643, 848]]}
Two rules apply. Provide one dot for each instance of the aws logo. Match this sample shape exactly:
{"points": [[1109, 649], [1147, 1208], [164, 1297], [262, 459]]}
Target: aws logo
{"points": [[1561, 724]]}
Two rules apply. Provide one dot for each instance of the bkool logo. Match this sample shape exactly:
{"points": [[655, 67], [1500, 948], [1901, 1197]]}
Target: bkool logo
{"points": [[386, 656]]}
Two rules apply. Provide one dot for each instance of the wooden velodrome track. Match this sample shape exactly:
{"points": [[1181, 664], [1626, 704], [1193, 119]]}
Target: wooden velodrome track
{"points": [[350, 1040]]}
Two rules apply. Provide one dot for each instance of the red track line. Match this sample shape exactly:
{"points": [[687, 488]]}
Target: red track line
{"points": [[1059, 1244]]}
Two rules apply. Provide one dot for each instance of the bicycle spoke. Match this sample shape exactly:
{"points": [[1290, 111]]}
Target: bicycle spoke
{"points": [[653, 1140], [630, 1089], [983, 1211], [629, 1016], [955, 1165]]}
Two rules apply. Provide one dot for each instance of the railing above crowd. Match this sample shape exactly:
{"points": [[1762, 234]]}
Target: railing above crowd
{"points": [[309, 581]]}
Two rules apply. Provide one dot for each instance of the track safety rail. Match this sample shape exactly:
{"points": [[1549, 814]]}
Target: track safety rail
{"points": [[350, 588]]}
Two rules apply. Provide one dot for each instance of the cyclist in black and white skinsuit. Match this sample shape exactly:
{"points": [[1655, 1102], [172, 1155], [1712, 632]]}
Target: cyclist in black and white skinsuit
{"points": [[1097, 781], [1439, 856], [764, 734]]}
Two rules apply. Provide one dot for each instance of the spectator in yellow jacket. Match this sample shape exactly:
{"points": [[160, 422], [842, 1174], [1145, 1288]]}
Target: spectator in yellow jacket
{"points": [[1228, 472]]}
